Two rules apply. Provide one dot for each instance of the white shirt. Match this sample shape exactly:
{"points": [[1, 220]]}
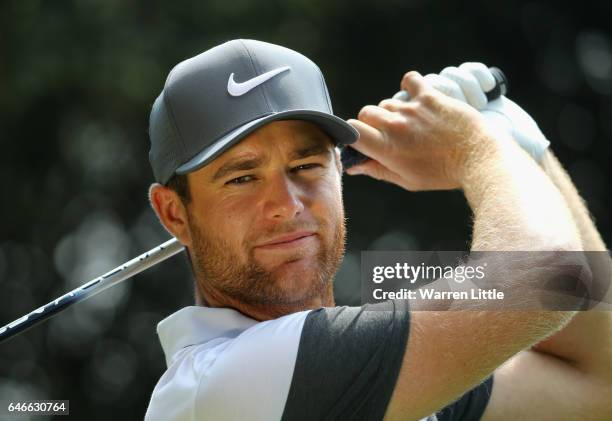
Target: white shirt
{"points": [[332, 363], [215, 357]]}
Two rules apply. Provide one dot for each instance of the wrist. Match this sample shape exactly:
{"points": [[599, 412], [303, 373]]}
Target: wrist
{"points": [[478, 162], [493, 162]]}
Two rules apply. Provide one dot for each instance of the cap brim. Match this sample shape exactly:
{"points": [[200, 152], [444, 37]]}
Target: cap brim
{"points": [[339, 130]]}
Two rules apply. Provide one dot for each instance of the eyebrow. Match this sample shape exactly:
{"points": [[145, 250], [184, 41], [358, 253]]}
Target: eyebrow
{"points": [[238, 164], [311, 150], [250, 163]]}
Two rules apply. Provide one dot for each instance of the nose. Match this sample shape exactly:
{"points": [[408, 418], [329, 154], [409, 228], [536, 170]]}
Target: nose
{"points": [[283, 199]]}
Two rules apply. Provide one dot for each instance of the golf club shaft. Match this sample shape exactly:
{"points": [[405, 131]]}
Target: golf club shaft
{"points": [[93, 287]]}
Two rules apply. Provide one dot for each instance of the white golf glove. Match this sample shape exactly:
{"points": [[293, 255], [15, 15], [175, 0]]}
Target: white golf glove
{"points": [[468, 83]]}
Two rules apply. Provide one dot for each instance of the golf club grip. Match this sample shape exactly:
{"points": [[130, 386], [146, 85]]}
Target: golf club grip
{"points": [[93, 287], [351, 157]]}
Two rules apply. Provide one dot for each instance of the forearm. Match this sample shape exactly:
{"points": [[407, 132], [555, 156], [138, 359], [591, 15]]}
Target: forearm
{"points": [[586, 341], [515, 205], [516, 208], [590, 237]]}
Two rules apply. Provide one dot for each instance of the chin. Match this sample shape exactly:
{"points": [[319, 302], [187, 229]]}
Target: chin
{"points": [[298, 279]]}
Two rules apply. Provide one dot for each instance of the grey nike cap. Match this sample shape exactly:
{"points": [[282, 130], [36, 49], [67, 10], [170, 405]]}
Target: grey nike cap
{"points": [[213, 100]]}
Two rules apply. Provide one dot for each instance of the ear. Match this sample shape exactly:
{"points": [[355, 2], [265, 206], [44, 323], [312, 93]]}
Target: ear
{"points": [[338, 159], [171, 212]]}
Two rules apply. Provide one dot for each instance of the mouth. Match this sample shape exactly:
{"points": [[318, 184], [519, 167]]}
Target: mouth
{"points": [[291, 240]]}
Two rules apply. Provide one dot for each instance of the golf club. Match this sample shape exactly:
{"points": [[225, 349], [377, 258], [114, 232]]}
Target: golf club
{"points": [[93, 287]]}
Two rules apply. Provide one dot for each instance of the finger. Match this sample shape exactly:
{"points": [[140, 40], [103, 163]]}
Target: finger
{"points": [[391, 104], [371, 142], [401, 96], [482, 74], [446, 86], [376, 116], [469, 85], [375, 170], [414, 84]]}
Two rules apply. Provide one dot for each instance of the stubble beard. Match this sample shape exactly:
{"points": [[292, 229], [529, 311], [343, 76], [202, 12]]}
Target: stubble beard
{"points": [[220, 273]]}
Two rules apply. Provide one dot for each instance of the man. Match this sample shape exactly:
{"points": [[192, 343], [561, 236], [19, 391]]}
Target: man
{"points": [[249, 180]]}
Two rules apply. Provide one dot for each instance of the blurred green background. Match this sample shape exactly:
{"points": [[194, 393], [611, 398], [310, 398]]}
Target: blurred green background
{"points": [[78, 78]]}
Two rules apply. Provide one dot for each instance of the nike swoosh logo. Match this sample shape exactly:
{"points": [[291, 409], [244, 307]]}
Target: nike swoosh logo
{"points": [[237, 89]]}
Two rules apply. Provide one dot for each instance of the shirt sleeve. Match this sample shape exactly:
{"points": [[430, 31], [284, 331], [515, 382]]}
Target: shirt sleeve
{"points": [[348, 361], [470, 406]]}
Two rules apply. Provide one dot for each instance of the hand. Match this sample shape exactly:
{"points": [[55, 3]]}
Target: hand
{"points": [[424, 144], [468, 83]]}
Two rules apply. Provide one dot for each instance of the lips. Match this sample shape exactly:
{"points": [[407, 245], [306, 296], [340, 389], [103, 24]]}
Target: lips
{"points": [[286, 239]]}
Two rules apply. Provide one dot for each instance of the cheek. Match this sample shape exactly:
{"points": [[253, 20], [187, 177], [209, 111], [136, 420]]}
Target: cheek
{"points": [[327, 198], [227, 221]]}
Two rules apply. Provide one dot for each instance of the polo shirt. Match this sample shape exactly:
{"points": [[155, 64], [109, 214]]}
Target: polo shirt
{"points": [[333, 363]]}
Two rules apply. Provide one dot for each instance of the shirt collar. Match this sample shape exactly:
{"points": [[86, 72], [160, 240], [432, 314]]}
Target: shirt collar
{"points": [[195, 325]]}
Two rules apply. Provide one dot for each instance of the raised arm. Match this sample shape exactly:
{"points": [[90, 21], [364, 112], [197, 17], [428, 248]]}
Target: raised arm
{"points": [[435, 142], [577, 360], [592, 330]]}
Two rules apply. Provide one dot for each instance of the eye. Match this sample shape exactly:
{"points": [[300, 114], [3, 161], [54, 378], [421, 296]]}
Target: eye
{"points": [[241, 180], [306, 167]]}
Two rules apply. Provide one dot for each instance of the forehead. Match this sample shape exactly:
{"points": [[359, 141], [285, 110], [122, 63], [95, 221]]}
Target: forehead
{"points": [[279, 136]]}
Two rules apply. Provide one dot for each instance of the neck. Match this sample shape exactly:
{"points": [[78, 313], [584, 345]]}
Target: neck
{"points": [[262, 312]]}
